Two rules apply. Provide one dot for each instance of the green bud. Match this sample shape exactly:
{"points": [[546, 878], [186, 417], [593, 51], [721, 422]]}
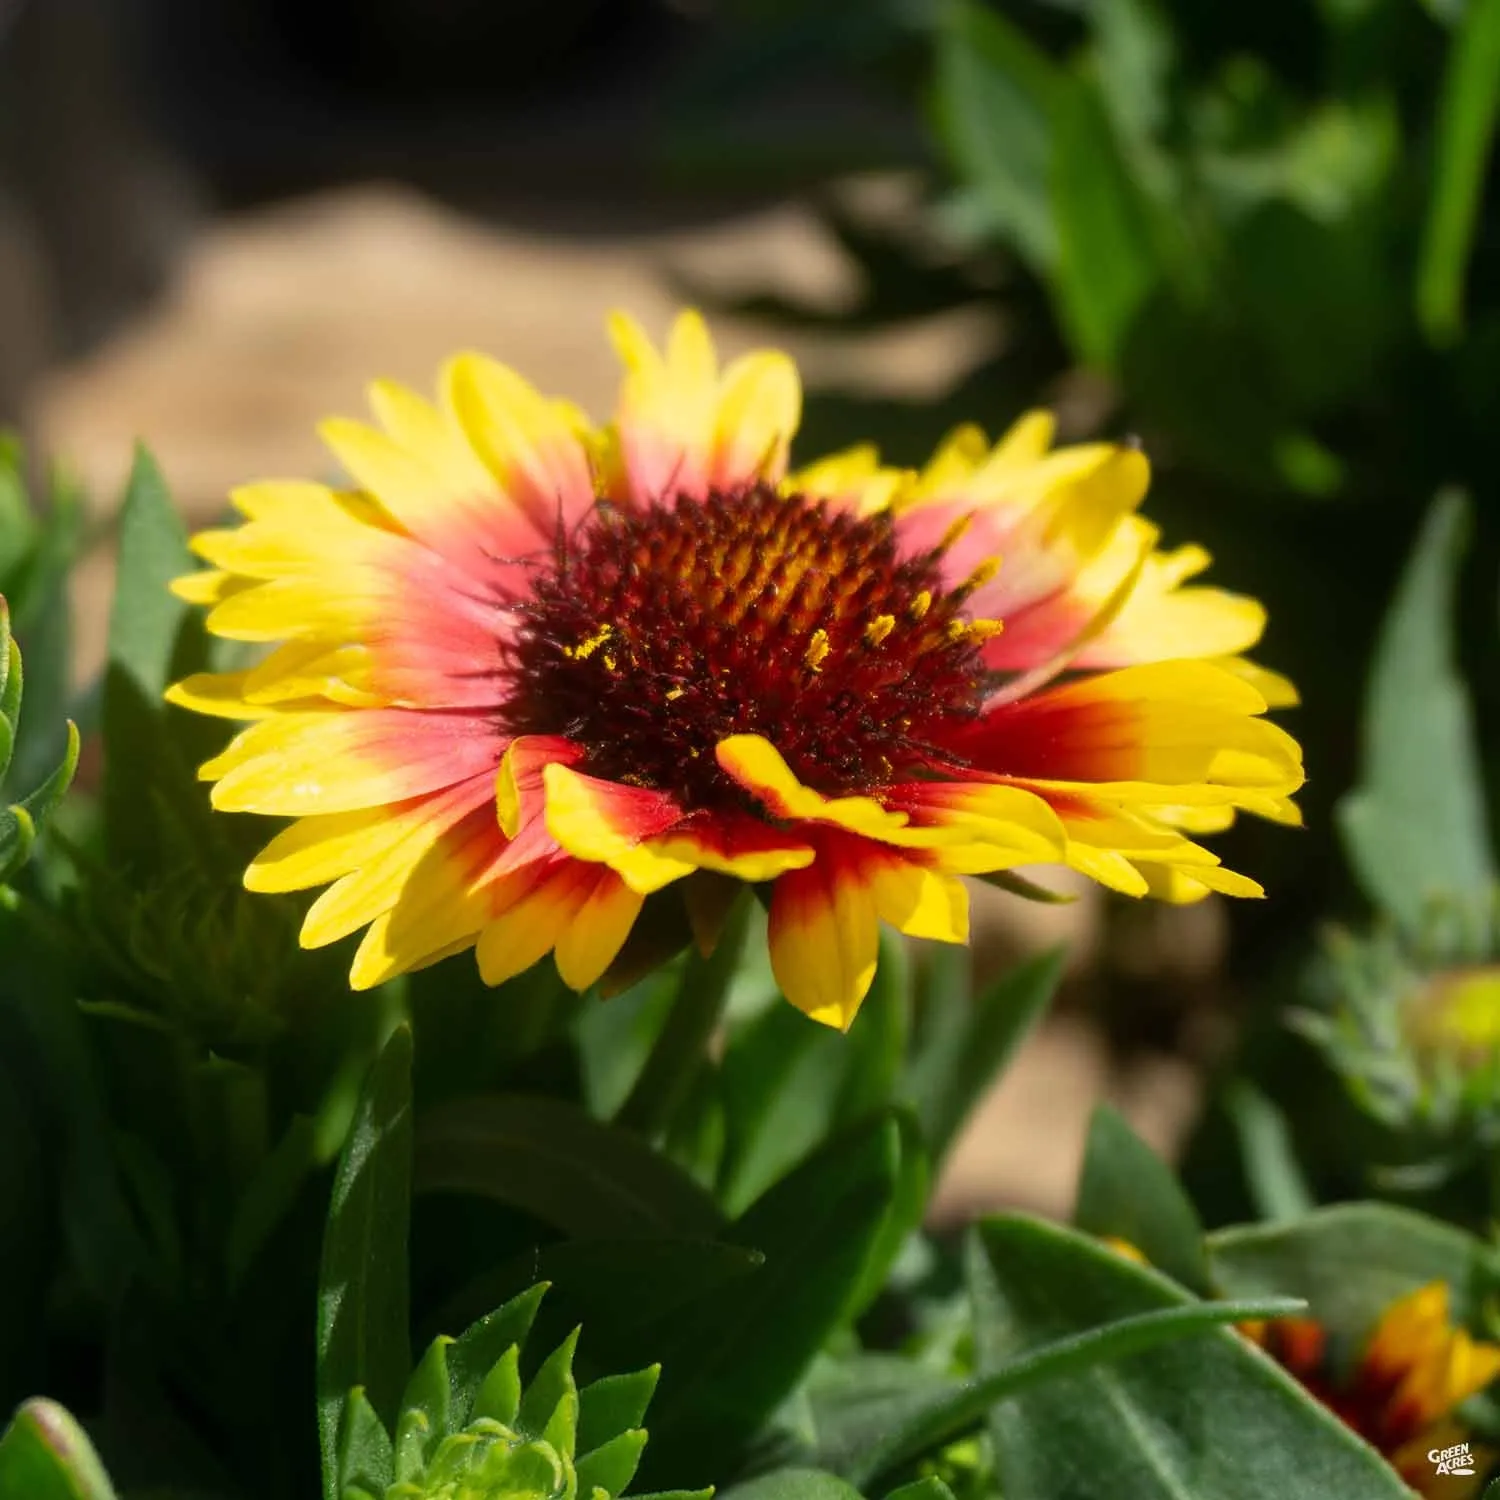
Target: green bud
{"points": [[480, 1434]]}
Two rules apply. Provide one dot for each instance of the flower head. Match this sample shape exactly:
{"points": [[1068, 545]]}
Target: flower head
{"points": [[1413, 1370], [534, 674]]}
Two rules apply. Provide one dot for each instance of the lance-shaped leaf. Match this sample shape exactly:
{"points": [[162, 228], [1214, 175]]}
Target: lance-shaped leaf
{"points": [[1127, 1192], [1207, 1416], [362, 1332], [1416, 826]]}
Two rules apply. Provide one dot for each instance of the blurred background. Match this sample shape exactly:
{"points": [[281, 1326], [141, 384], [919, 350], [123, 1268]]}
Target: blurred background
{"points": [[1258, 237]]}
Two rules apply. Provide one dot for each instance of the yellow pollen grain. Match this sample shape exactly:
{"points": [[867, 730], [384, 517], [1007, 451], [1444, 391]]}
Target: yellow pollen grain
{"points": [[980, 631], [586, 648], [817, 649], [673, 694], [609, 662], [878, 628], [920, 605]]}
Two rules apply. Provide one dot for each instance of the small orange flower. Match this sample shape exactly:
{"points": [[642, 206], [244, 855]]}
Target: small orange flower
{"points": [[1415, 1368]]}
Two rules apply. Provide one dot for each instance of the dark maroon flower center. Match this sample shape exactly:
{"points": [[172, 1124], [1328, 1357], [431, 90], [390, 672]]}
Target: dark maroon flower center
{"points": [[657, 632]]}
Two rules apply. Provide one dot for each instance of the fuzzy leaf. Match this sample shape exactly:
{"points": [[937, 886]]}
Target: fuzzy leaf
{"points": [[499, 1396], [1128, 1192], [415, 1439], [928, 1488], [904, 1416], [612, 1405], [362, 1337], [366, 1459], [793, 1484], [1352, 1260], [552, 1398], [1207, 1416], [612, 1466], [472, 1356], [429, 1392], [46, 1455], [1416, 828], [146, 621]]}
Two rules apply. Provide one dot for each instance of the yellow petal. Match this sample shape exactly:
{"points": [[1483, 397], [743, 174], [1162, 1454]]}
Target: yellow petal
{"points": [[824, 940], [609, 824], [759, 409], [221, 694], [589, 943]]}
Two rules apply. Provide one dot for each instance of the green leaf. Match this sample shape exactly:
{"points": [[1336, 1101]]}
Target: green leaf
{"points": [[964, 1045], [268, 1195], [1467, 110], [552, 1397], [1415, 828], [904, 1212], [475, 1353], [362, 1337], [1352, 1260], [11, 678], [1133, 56], [628, 1294], [46, 1455], [153, 550], [1208, 1416], [550, 1158], [793, 1484], [992, 103], [875, 1049], [780, 1079], [611, 1466], [1128, 1192], [499, 1396], [366, 1458], [910, 1413], [1106, 259], [149, 748], [1277, 1187], [727, 1363], [929, 1488], [678, 1055], [17, 836], [613, 1405], [426, 1406]]}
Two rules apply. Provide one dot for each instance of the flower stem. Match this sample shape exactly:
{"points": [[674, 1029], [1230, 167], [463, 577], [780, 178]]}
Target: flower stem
{"points": [[697, 1008]]}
